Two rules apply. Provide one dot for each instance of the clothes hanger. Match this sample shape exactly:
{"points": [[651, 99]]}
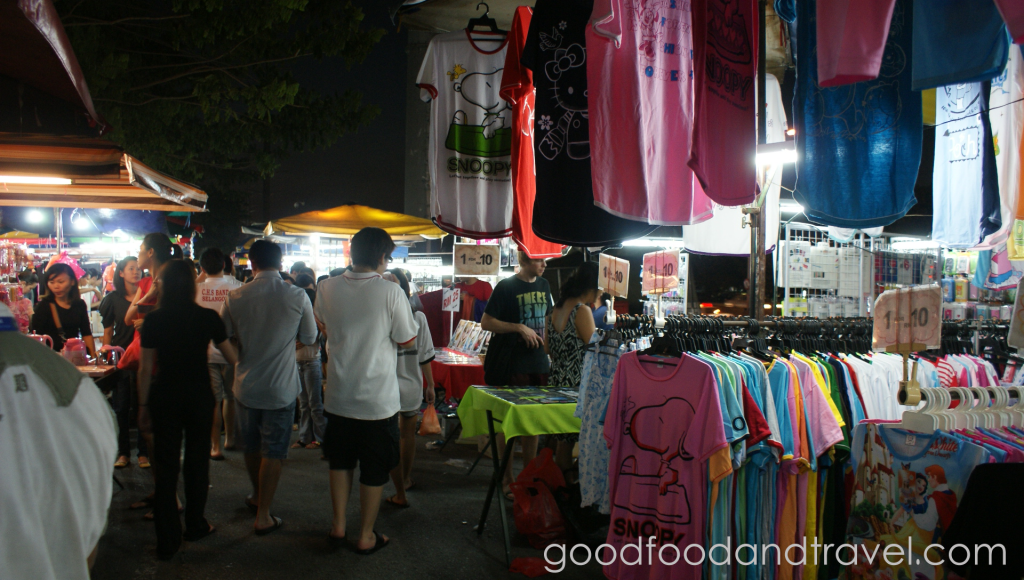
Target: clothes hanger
{"points": [[922, 420], [486, 21]]}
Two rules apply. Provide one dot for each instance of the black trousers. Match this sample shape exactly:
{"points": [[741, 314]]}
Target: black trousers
{"points": [[178, 410], [125, 402]]}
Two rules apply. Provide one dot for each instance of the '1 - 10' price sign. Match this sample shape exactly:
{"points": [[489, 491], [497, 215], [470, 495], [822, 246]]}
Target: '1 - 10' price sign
{"points": [[477, 260], [908, 316], [661, 271], [613, 277]]}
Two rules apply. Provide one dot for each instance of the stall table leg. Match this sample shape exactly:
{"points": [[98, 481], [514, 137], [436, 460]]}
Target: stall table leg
{"points": [[495, 488]]}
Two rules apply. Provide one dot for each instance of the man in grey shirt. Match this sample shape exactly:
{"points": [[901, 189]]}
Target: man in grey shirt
{"points": [[266, 317]]}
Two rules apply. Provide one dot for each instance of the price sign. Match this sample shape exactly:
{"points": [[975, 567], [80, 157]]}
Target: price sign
{"points": [[661, 271], [613, 276], [450, 300], [477, 260], [908, 316]]}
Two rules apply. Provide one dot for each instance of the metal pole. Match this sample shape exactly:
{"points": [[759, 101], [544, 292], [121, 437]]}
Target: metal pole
{"points": [[757, 242]]}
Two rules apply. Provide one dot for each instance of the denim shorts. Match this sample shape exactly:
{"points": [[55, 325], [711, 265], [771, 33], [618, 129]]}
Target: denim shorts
{"points": [[265, 431]]}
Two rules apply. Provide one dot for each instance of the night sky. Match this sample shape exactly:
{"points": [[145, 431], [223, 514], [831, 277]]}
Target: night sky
{"points": [[366, 167]]}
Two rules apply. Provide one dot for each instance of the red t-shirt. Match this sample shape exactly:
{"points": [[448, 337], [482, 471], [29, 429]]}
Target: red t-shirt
{"points": [[517, 88]]}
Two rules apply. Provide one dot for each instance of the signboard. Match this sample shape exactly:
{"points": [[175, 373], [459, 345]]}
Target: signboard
{"points": [[613, 276], [661, 271], [908, 316], [450, 300], [477, 260]]}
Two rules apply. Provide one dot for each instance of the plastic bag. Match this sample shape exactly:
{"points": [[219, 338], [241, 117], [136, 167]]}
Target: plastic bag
{"points": [[543, 468], [537, 515], [129, 361], [430, 424]]}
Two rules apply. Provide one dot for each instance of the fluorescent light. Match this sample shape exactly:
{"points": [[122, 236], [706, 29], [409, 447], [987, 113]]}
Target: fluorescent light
{"points": [[34, 180], [655, 243], [915, 245], [790, 207], [35, 217], [773, 153]]}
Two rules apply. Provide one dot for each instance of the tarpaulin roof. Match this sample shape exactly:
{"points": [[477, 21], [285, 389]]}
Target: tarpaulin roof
{"points": [[346, 220]]}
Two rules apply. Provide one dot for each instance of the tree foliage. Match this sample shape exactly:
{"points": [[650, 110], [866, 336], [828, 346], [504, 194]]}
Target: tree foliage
{"points": [[204, 89]]}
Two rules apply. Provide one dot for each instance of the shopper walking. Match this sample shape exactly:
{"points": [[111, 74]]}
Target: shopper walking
{"points": [[116, 332], [413, 372], [266, 317], [311, 393], [519, 307], [364, 317], [569, 329], [175, 339], [62, 314], [210, 293]]}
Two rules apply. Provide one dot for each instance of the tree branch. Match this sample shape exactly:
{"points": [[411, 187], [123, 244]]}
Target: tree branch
{"points": [[217, 69], [97, 22]]}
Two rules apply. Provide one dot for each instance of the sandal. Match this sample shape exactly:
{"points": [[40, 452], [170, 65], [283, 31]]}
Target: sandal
{"points": [[313, 445], [122, 462], [218, 457], [297, 445], [253, 506], [393, 501], [278, 522], [144, 462], [379, 544]]}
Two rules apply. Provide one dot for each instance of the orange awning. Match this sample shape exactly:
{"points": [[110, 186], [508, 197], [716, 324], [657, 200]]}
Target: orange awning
{"points": [[346, 220]]}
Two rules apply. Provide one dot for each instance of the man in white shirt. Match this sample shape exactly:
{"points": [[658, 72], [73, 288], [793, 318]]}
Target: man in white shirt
{"points": [[366, 319], [210, 293], [266, 316], [58, 442]]}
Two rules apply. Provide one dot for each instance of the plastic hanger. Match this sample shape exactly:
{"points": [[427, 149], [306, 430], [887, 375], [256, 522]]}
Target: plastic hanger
{"points": [[486, 21], [922, 421], [962, 420]]}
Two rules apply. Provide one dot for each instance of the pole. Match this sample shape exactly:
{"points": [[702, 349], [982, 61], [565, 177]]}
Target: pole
{"points": [[756, 273]]}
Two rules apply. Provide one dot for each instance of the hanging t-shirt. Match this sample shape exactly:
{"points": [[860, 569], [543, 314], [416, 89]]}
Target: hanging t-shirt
{"points": [[956, 42], [725, 234], [859, 145], [906, 490], [470, 145], [517, 89], [851, 40], [724, 134], [663, 426], [963, 148], [564, 210], [1006, 116], [641, 93]]}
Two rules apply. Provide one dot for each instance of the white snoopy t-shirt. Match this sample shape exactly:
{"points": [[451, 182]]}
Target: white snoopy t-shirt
{"points": [[470, 151]]}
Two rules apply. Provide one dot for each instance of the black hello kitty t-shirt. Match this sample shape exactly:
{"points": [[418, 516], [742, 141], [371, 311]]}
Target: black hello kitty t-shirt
{"points": [[564, 210]]}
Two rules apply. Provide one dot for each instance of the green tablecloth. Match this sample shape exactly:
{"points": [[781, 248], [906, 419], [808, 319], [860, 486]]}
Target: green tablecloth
{"points": [[522, 411]]}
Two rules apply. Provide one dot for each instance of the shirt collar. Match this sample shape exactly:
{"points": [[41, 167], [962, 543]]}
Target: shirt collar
{"points": [[267, 274], [360, 275]]}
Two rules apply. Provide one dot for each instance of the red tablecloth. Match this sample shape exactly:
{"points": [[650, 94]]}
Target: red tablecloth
{"points": [[456, 378]]}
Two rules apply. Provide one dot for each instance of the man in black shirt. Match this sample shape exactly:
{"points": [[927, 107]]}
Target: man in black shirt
{"points": [[521, 305]]}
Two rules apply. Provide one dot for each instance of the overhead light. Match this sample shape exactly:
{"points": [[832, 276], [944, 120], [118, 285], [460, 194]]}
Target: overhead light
{"points": [[35, 217], [106, 212], [914, 245], [34, 180], [655, 243], [790, 132], [773, 153], [80, 223], [790, 207]]}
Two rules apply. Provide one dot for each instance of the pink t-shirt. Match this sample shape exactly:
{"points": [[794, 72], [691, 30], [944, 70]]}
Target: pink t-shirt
{"points": [[851, 39], [824, 430], [724, 115], [641, 111], [663, 424]]}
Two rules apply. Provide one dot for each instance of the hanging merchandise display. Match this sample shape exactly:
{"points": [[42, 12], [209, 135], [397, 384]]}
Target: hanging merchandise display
{"points": [[556, 53], [851, 39], [724, 136], [725, 234], [517, 89], [470, 145], [965, 188], [1006, 116], [869, 132], [640, 74], [956, 42]]}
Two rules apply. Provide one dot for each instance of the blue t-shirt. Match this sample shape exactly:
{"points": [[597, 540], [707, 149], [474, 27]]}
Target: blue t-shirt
{"points": [[858, 145], [957, 41]]}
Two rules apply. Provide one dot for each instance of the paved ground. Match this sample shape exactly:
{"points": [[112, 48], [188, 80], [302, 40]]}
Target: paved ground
{"points": [[434, 538]]}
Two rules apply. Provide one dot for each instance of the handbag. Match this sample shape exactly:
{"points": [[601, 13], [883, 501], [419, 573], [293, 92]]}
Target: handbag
{"points": [[498, 362]]}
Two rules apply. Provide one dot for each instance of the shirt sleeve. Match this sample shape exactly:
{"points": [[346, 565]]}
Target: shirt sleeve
{"points": [[424, 342], [107, 311], [225, 316], [307, 326], [403, 326], [426, 80], [496, 303], [82, 314], [709, 413], [515, 78], [528, 58], [607, 20]]}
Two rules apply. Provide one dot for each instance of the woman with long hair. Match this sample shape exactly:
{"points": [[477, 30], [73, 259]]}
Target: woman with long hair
{"points": [[179, 401], [117, 333], [61, 313], [155, 251], [570, 328]]}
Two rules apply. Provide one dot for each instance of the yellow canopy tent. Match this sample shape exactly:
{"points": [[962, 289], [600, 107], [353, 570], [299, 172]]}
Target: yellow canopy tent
{"points": [[346, 220]]}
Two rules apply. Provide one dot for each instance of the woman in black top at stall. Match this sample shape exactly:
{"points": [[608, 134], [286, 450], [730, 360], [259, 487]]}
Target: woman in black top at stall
{"points": [[174, 341], [63, 302]]}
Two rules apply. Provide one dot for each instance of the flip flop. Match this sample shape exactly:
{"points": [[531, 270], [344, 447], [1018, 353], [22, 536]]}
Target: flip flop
{"points": [[253, 506], [313, 445], [391, 500], [297, 445], [334, 541], [379, 544], [144, 464], [410, 486], [217, 457], [122, 463], [278, 522], [190, 537]]}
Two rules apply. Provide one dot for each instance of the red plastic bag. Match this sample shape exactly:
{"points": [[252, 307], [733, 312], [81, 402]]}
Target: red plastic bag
{"points": [[430, 424], [543, 468], [537, 515]]}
